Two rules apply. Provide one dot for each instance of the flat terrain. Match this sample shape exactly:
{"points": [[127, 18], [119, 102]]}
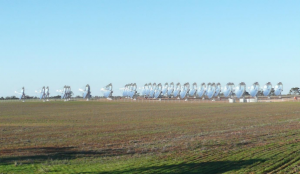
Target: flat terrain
{"points": [[131, 137]]}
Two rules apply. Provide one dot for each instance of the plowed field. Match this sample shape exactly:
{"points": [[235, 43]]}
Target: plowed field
{"points": [[133, 137]]}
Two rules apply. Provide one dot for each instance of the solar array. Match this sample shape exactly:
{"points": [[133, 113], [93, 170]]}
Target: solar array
{"points": [[209, 90], [169, 90], [66, 93], [130, 90], [44, 93]]}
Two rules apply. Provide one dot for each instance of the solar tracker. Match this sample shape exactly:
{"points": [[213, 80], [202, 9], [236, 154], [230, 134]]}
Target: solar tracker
{"points": [[177, 90], [66, 93], [158, 91], [107, 91], [254, 89], [267, 89], [184, 90], [125, 90], [132, 90], [228, 89], [193, 90], [22, 94], [148, 89], [218, 89], [42, 93], [170, 89], [240, 90], [47, 93], [202, 90], [278, 89], [86, 93], [165, 89], [144, 90], [210, 90], [152, 90]]}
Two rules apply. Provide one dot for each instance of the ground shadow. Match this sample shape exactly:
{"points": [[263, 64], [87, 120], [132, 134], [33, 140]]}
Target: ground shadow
{"points": [[44, 154], [193, 168], [39, 155]]}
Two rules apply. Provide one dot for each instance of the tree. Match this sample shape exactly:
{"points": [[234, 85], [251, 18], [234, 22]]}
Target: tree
{"points": [[294, 91]]}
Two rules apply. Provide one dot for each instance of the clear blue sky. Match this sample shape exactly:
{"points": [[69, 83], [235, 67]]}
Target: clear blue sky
{"points": [[59, 43]]}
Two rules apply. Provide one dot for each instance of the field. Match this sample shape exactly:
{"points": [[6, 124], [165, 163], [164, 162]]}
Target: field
{"points": [[131, 137]]}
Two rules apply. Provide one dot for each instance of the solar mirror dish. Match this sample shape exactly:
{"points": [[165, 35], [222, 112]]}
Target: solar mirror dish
{"points": [[42, 94], [254, 89], [144, 91], [158, 91], [107, 91], [132, 90], [47, 92], [177, 90], [64, 93], [148, 89], [278, 89], [123, 93], [218, 89], [125, 90], [170, 89], [128, 93], [240, 90], [267, 89], [184, 90], [87, 92], [165, 89], [152, 90], [211, 90], [193, 90], [69, 92], [21, 94], [202, 90], [228, 89]]}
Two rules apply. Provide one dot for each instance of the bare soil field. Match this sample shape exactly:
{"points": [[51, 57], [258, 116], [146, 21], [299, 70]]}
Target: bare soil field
{"points": [[135, 137]]}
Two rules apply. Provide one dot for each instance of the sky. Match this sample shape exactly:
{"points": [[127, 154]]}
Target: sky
{"points": [[97, 42]]}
